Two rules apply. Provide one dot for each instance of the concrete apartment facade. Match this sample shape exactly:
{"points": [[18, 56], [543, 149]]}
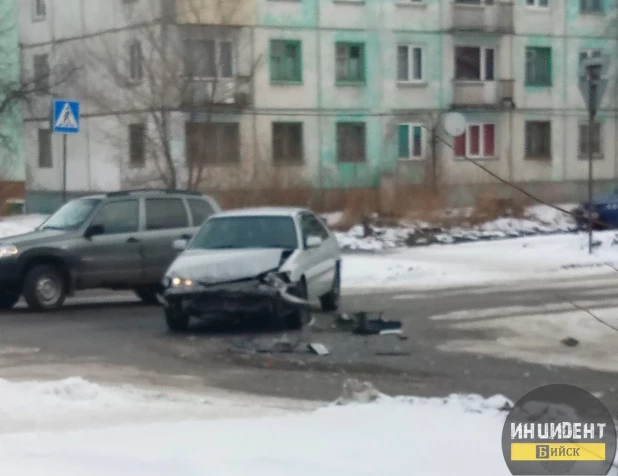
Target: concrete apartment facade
{"points": [[12, 160], [339, 94]]}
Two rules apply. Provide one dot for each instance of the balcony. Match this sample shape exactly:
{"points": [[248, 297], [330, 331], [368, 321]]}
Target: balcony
{"points": [[476, 16], [217, 92], [483, 94]]}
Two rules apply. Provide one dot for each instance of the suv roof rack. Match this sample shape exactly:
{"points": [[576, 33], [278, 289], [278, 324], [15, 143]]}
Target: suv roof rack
{"points": [[121, 193]]}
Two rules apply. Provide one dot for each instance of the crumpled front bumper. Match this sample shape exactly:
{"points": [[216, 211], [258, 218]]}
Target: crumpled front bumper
{"points": [[269, 294]]}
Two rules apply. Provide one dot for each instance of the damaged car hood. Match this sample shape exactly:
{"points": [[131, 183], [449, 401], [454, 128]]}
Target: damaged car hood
{"points": [[220, 266]]}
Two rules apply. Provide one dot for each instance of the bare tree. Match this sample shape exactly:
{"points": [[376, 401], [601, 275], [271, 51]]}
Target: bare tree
{"points": [[192, 64]]}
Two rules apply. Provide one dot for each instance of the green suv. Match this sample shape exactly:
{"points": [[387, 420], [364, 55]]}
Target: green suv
{"points": [[119, 240]]}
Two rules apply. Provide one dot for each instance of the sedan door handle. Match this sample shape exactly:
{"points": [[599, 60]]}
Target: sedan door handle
{"points": [[132, 240], [186, 237]]}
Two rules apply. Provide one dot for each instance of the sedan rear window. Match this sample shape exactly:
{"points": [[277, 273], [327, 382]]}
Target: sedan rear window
{"points": [[246, 232]]}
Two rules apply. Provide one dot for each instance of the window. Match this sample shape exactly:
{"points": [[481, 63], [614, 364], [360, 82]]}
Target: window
{"points": [[72, 215], [137, 139], [478, 142], [411, 141], [246, 232], [350, 62], [537, 3], [538, 139], [409, 63], [41, 73], [45, 149], [201, 210], [311, 226], [285, 61], [39, 9], [538, 66], [351, 142], [287, 140], [596, 140], [136, 61], [475, 2], [212, 143], [206, 59], [119, 217], [166, 214], [591, 6], [473, 63]]}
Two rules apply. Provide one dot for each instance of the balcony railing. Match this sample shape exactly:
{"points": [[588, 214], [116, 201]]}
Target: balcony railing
{"points": [[493, 94], [498, 17], [217, 92]]}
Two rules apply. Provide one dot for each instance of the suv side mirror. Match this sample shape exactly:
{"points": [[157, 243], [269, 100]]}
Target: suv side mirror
{"points": [[180, 245], [94, 230], [314, 241]]}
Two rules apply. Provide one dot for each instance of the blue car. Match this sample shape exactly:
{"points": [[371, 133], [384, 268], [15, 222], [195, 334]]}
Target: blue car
{"points": [[604, 212]]}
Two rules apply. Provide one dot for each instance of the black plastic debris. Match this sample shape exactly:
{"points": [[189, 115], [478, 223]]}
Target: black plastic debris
{"points": [[570, 342], [366, 325]]}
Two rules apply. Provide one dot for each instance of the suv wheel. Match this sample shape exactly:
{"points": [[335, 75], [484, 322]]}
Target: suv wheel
{"points": [[176, 321], [147, 295], [8, 301], [45, 288], [330, 301]]}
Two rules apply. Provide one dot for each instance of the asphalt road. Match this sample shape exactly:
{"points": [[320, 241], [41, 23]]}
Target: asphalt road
{"points": [[114, 338]]}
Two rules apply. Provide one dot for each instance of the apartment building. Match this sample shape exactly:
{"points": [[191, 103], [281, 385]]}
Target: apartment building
{"points": [[328, 94]]}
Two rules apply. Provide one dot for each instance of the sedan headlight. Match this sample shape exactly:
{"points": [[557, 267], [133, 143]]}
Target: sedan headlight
{"points": [[178, 282], [6, 251]]}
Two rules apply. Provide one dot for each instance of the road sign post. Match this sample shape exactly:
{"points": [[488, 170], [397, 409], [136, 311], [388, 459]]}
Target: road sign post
{"points": [[65, 121], [592, 84]]}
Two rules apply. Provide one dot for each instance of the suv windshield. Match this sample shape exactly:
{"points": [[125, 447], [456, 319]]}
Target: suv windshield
{"points": [[246, 232], [72, 215]]}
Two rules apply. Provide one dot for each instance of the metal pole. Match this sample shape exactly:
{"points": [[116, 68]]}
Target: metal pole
{"points": [[64, 168], [591, 115]]}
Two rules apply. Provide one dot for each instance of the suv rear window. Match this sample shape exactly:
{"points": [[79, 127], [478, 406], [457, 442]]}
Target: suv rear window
{"points": [[201, 211], [165, 214]]}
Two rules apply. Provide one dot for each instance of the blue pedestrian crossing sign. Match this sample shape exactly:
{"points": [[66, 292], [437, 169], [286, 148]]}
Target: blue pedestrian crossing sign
{"points": [[65, 118]]}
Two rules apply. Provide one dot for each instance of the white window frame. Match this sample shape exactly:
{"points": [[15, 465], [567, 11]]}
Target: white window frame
{"points": [[36, 15], [218, 75], [411, 47], [482, 61], [537, 5], [481, 126], [411, 156]]}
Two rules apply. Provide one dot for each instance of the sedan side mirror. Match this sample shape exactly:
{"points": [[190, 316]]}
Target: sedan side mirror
{"points": [[180, 245], [94, 230], [314, 242]]}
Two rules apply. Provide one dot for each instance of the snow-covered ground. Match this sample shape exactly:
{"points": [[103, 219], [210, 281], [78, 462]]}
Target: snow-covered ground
{"points": [[540, 220], [492, 262], [394, 436]]}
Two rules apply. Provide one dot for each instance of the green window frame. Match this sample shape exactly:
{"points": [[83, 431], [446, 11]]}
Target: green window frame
{"points": [[350, 67], [538, 66], [410, 141], [286, 61]]}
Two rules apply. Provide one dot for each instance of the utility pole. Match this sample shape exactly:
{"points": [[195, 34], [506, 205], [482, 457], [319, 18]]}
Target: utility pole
{"points": [[592, 84]]}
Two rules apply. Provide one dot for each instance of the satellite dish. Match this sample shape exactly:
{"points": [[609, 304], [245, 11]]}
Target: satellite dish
{"points": [[454, 124]]}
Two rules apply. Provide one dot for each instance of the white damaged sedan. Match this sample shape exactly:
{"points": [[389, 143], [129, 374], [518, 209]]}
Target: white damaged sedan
{"points": [[242, 262]]}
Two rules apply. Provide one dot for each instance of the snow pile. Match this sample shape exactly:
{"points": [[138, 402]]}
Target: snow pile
{"points": [[541, 220], [19, 224], [394, 436], [522, 259]]}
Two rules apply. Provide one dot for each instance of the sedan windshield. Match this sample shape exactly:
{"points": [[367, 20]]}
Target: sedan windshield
{"points": [[246, 232], [72, 215]]}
